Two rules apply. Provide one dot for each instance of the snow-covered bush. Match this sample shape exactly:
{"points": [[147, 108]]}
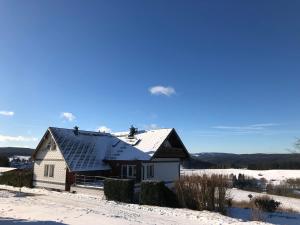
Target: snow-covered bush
{"points": [[203, 192], [121, 190]]}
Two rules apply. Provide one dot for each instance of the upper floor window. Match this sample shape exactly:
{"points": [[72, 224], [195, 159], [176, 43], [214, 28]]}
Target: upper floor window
{"points": [[53, 145]]}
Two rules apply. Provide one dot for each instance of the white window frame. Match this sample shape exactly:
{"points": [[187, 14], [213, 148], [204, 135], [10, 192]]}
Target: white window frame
{"points": [[53, 145], [150, 171], [46, 170], [128, 168], [49, 170]]}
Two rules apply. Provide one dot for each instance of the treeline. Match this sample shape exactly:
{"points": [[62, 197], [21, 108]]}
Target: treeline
{"points": [[287, 165], [238, 161], [4, 161]]}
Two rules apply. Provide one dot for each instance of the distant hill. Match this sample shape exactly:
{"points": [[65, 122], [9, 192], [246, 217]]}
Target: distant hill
{"points": [[11, 151], [250, 161]]}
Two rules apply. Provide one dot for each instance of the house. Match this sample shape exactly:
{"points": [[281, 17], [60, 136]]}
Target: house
{"points": [[63, 154]]}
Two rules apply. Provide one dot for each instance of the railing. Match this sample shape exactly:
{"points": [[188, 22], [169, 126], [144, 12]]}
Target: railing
{"points": [[91, 181]]}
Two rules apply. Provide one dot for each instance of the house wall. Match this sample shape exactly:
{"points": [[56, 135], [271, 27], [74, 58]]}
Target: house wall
{"points": [[117, 164], [53, 157], [165, 169]]}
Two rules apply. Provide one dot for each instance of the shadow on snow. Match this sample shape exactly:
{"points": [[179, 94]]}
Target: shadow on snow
{"points": [[12, 221]]}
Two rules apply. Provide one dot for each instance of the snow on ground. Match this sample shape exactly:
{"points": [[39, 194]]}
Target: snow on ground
{"points": [[275, 176], [287, 203], [49, 207], [6, 169]]}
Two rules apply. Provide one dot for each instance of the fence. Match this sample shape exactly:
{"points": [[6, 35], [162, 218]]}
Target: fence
{"points": [[92, 181]]}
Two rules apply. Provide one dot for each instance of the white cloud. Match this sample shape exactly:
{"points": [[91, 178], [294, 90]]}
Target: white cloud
{"points": [[68, 116], [6, 138], [7, 113], [152, 126], [103, 129], [162, 90], [252, 127]]}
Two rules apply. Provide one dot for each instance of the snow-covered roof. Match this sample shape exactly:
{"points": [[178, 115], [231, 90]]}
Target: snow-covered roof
{"points": [[84, 151], [147, 141], [88, 150]]}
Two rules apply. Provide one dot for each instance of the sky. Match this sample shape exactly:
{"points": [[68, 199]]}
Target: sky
{"points": [[224, 74]]}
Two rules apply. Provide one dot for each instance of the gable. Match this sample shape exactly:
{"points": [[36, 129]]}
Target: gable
{"points": [[47, 149], [172, 147]]}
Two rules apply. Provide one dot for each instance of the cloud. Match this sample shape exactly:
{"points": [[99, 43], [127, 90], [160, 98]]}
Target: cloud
{"points": [[68, 116], [6, 138], [162, 90], [103, 129], [252, 127], [7, 113], [152, 126]]}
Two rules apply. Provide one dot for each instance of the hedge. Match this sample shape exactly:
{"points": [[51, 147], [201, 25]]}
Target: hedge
{"points": [[17, 178], [121, 190], [156, 193]]}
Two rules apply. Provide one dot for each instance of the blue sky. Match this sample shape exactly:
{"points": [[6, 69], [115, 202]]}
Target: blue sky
{"points": [[225, 74]]}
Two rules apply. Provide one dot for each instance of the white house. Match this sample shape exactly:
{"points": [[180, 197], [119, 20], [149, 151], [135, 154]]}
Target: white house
{"points": [[64, 154]]}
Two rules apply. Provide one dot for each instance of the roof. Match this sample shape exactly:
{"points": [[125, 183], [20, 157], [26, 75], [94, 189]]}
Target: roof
{"points": [[88, 150], [147, 141], [84, 151]]}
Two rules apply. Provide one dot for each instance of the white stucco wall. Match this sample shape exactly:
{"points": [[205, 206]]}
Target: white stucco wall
{"points": [[50, 157], [164, 169]]}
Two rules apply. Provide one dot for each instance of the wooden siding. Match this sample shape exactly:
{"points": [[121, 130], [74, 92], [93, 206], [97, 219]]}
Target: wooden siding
{"points": [[50, 157], [172, 147]]}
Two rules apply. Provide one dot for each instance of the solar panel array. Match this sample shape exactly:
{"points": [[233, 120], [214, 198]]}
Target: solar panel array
{"points": [[79, 153]]}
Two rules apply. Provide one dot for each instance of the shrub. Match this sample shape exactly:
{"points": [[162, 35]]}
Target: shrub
{"points": [[17, 178], [203, 192], [283, 189], [266, 204], [121, 190], [156, 193]]}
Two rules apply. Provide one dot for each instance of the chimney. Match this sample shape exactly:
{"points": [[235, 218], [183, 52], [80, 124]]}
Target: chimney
{"points": [[76, 130], [132, 131]]}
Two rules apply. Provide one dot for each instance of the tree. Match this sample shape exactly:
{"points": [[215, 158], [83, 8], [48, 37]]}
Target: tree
{"points": [[4, 161], [296, 149]]}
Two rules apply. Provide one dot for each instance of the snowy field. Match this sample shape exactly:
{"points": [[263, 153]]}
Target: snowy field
{"points": [[54, 208], [287, 203], [274, 176]]}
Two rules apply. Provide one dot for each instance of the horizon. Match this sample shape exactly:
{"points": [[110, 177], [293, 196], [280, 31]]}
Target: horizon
{"points": [[225, 76]]}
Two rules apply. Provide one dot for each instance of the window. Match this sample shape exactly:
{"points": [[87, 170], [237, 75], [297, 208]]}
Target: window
{"points": [[124, 171], [53, 146], [51, 171], [48, 170], [131, 171], [48, 146], [128, 171], [150, 171]]}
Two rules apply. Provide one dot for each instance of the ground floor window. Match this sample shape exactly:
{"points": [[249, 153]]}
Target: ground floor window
{"points": [[150, 171], [128, 171], [48, 170]]}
